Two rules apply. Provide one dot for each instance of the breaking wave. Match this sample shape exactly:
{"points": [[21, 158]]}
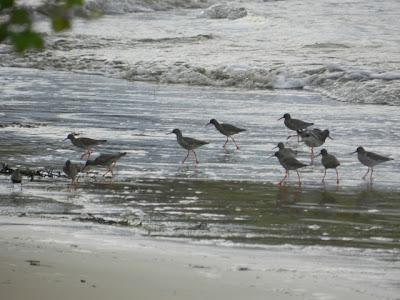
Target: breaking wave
{"points": [[344, 84], [131, 6], [339, 82]]}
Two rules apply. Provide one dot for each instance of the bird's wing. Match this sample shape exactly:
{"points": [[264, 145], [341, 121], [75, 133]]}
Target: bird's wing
{"points": [[333, 160], [104, 158], [89, 141], [192, 141], [291, 151], [313, 134], [301, 124], [231, 129], [377, 157], [291, 161]]}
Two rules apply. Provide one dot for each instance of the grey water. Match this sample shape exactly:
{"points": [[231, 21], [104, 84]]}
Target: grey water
{"points": [[345, 49], [231, 197]]}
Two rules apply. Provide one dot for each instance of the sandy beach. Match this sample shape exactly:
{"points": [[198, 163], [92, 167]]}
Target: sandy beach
{"points": [[44, 259], [222, 225]]}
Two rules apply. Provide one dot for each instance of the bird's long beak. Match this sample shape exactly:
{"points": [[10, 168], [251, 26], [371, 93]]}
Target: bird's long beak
{"points": [[318, 155], [275, 147], [207, 124], [280, 118], [169, 132], [65, 139], [353, 152], [330, 137]]}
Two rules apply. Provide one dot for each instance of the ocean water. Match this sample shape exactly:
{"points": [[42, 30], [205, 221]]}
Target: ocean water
{"points": [[344, 49], [147, 67]]}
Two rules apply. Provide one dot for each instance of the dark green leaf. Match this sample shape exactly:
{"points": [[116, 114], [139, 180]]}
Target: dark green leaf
{"points": [[61, 23], [27, 40], [20, 16], [72, 3], [3, 32], [6, 4]]}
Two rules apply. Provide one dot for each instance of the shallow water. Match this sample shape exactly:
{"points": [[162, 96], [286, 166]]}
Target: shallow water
{"points": [[231, 196]]}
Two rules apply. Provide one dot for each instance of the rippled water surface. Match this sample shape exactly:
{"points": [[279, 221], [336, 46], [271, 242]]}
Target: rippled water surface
{"points": [[232, 195], [347, 49]]}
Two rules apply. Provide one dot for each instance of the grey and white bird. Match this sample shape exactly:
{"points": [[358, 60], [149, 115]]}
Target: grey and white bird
{"points": [[289, 163], [108, 160], [285, 151], [370, 159], [84, 143], [228, 130], [188, 143], [295, 124], [329, 161], [314, 138], [72, 170]]}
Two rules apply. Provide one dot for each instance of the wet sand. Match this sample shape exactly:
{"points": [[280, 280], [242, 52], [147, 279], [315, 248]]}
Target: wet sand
{"points": [[45, 259]]}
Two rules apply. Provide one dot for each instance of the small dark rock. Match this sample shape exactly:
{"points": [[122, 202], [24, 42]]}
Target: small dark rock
{"points": [[33, 262]]}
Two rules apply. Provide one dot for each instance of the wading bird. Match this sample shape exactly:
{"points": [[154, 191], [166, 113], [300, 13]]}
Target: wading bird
{"points": [[188, 143], [228, 130]]}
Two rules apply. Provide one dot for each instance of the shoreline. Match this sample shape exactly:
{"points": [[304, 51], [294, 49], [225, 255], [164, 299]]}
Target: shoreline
{"points": [[44, 259]]}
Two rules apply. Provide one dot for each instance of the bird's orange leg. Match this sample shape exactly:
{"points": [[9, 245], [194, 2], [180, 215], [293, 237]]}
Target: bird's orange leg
{"points": [[197, 161], [337, 176], [237, 146], [226, 142], [298, 175], [186, 157], [284, 178], [323, 178], [365, 175]]}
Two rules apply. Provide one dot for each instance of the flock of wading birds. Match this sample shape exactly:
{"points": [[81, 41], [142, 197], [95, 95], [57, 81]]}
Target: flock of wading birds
{"points": [[286, 156]]}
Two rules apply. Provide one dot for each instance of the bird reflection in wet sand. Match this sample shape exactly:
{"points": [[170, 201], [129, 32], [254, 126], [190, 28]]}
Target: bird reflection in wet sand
{"points": [[184, 171], [287, 195], [327, 197]]}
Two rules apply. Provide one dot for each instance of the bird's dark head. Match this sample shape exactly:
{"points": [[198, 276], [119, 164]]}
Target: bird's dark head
{"points": [[285, 116], [281, 145], [360, 150], [70, 136], [213, 121], [323, 152], [325, 134], [68, 163], [177, 131]]}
